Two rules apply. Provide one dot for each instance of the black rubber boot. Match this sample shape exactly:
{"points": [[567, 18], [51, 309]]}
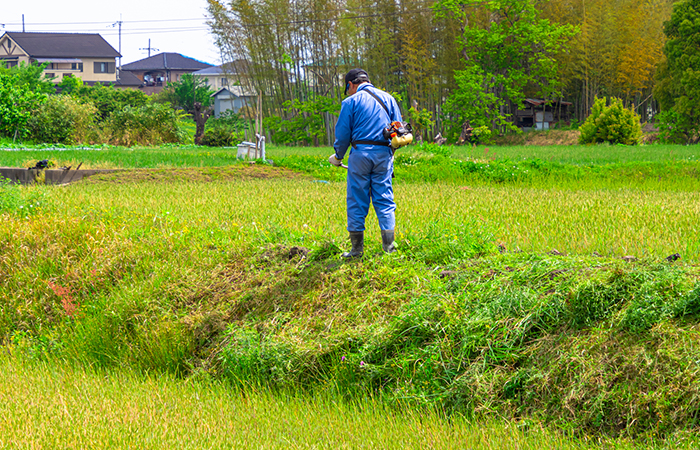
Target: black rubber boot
{"points": [[357, 238], [388, 241]]}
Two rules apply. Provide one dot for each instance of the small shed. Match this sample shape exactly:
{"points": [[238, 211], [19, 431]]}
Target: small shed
{"points": [[232, 98], [540, 114]]}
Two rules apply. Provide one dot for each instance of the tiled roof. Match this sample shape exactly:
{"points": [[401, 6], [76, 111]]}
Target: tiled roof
{"points": [[63, 45], [166, 61], [128, 79]]}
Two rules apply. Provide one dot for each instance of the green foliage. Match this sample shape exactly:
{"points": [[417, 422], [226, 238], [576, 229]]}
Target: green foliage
{"points": [[183, 94], [224, 131], [482, 134], [108, 99], [421, 121], [20, 200], [613, 124], [502, 56], [31, 76], [63, 119], [150, 124], [69, 84], [221, 137], [678, 78], [17, 102], [304, 122]]}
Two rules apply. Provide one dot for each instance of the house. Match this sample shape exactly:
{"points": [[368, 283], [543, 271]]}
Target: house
{"points": [[232, 98], [158, 70], [230, 74], [87, 56], [541, 114]]}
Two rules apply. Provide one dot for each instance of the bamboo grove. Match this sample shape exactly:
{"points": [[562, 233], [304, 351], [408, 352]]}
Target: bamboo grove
{"points": [[295, 53]]}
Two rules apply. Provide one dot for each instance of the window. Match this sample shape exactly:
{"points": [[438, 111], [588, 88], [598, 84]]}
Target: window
{"points": [[77, 66], [49, 75], [67, 75], [104, 67], [224, 82]]}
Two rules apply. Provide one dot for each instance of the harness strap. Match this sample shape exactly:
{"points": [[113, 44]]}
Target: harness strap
{"points": [[384, 143], [355, 143]]}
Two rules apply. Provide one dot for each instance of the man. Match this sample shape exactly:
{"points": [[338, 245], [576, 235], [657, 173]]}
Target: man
{"points": [[363, 116]]}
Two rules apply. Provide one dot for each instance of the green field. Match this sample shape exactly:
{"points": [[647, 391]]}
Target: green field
{"points": [[531, 286]]}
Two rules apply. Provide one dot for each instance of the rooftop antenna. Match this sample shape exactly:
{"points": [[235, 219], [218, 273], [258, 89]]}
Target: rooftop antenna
{"points": [[149, 48]]}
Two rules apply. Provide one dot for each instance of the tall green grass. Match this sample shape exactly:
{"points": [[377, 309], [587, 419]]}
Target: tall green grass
{"points": [[240, 280], [50, 405]]}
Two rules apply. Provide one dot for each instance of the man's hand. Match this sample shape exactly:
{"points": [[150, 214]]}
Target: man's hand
{"points": [[335, 161]]}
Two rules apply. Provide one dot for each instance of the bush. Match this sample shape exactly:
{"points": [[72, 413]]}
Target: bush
{"points": [[62, 120], [225, 130], [150, 124], [613, 124], [220, 137], [107, 99]]}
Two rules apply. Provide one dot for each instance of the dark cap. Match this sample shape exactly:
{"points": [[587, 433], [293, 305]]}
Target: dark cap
{"points": [[355, 76]]}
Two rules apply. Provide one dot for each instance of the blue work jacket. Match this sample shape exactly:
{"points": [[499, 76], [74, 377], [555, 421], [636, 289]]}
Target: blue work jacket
{"points": [[362, 118]]}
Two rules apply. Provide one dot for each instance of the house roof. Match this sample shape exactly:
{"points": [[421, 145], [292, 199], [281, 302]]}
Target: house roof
{"points": [[540, 101], [231, 68], [237, 91], [128, 79], [166, 61], [63, 45]]}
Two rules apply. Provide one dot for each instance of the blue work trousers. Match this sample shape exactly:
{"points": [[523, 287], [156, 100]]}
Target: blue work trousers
{"points": [[369, 180]]}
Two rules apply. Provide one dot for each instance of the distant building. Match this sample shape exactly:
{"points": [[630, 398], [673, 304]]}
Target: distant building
{"points": [[229, 74], [158, 70], [538, 114], [87, 56], [232, 98]]}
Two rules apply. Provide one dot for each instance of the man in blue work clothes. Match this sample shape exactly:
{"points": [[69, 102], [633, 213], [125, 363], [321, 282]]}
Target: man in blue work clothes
{"points": [[363, 116]]}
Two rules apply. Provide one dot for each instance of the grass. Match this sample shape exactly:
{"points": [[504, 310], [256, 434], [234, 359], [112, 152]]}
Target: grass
{"points": [[58, 406], [233, 274]]}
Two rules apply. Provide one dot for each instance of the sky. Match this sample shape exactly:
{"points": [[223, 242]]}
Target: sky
{"points": [[176, 26]]}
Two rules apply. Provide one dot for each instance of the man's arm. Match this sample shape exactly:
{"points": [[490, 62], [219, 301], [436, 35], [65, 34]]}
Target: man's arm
{"points": [[343, 130]]}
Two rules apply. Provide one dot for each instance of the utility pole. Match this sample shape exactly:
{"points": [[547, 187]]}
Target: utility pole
{"points": [[119, 23], [22, 23], [149, 48]]}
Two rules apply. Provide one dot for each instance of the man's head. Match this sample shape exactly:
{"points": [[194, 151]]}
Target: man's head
{"points": [[355, 78]]}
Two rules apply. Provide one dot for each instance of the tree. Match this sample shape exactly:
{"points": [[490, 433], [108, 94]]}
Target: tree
{"points": [[678, 88], [185, 93], [17, 102], [506, 47], [30, 75]]}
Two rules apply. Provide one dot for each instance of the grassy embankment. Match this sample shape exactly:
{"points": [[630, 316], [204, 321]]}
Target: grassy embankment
{"points": [[239, 279], [58, 406]]}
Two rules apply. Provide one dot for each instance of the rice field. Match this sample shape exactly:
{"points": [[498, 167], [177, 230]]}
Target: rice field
{"points": [[143, 254], [53, 405]]}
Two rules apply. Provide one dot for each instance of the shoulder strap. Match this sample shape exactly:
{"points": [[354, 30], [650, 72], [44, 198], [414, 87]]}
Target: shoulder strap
{"points": [[380, 102]]}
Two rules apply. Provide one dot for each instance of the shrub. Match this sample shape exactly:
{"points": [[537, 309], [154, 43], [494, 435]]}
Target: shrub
{"points": [[612, 123], [224, 131], [220, 137], [62, 120], [150, 124], [107, 99]]}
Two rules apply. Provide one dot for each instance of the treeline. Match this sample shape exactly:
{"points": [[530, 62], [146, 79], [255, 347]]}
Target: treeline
{"points": [[296, 52]]}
